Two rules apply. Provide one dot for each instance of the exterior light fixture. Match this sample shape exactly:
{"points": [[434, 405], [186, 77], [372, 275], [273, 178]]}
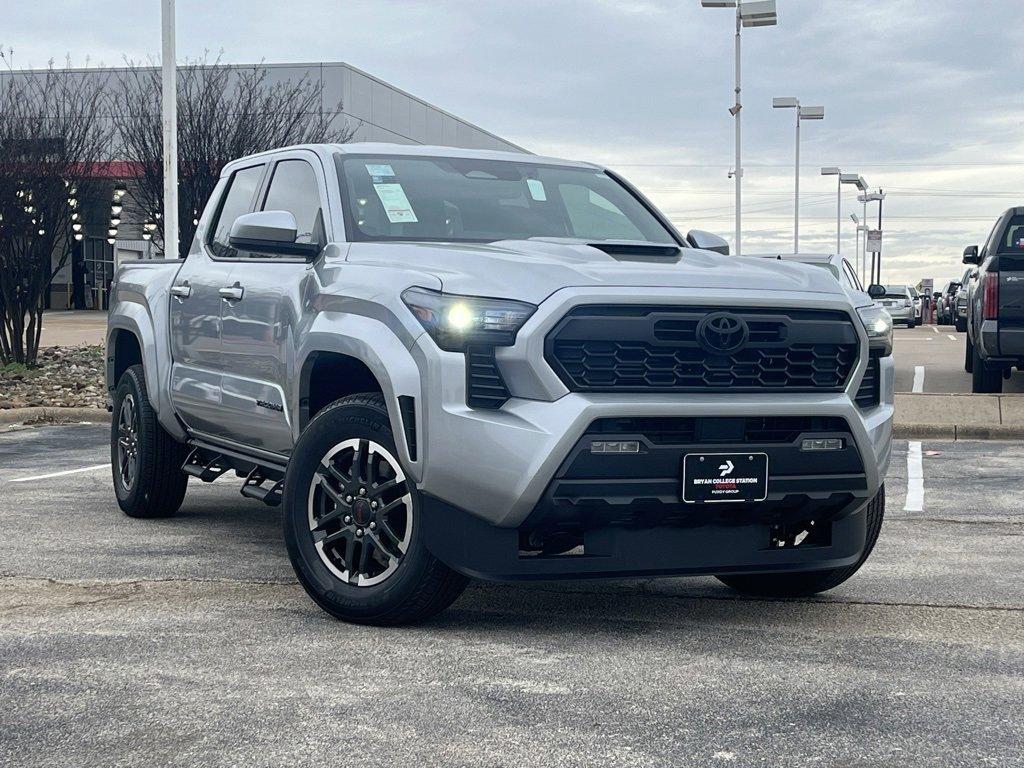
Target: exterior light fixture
{"points": [[120, 191], [77, 226], [146, 236], [116, 208], [78, 236], [115, 220], [111, 240], [112, 231]]}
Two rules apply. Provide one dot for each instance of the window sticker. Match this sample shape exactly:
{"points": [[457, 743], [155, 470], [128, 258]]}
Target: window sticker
{"points": [[396, 204], [537, 190], [379, 172]]}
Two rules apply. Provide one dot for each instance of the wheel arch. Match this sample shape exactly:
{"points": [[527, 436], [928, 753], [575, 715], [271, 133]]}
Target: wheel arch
{"points": [[364, 356], [130, 332]]}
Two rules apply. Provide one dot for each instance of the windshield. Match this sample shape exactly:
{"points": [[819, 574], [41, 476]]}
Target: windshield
{"points": [[403, 197]]}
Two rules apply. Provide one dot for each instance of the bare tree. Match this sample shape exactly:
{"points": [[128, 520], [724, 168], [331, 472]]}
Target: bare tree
{"points": [[224, 112], [51, 140]]}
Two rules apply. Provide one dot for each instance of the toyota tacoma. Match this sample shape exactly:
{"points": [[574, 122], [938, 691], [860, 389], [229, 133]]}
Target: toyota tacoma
{"points": [[447, 364]]}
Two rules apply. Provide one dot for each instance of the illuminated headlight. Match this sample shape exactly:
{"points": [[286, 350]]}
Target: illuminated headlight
{"points": [[878, 324], [455, 322]]}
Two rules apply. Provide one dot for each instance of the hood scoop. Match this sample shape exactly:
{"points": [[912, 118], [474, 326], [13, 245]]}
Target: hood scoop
{"points": [[639, 251]]}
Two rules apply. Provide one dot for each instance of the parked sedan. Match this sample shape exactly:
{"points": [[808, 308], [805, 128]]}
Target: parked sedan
{"points": [[899, 303]]}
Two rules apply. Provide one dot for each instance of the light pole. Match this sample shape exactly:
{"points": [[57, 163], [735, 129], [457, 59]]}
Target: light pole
{"points": [[802, 113], [860, 257], [169, 80], [833, 171], [855, 179], [873, 197], [749, 13]]}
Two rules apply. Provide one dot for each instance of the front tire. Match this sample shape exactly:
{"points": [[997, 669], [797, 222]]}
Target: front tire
{"points": [[812, 582], [961, 325], [145, 459], [352, 521]]}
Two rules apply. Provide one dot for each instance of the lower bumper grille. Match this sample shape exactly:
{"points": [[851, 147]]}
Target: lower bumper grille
{"points": [[593, 490]]}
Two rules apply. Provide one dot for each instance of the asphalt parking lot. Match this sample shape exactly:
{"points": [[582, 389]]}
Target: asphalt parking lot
{"points": [[930, 358], [188, 642]]}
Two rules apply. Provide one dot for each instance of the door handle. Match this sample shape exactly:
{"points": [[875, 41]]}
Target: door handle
{"points": [[232, 293], [182, 291]]}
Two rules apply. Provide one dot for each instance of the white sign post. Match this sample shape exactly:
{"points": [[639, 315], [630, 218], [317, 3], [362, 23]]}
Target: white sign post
{"points": [[874, 241]]}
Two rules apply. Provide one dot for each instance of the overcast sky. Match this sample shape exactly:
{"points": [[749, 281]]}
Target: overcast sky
{"points": [[923, 97]]}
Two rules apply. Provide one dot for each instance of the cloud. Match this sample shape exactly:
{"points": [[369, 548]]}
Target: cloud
{"points": [[922, 96]]}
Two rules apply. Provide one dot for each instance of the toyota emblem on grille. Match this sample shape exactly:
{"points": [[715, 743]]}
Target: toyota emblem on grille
{"points": [[722, 333]]}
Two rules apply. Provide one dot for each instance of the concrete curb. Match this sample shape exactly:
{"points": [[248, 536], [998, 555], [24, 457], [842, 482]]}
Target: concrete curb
{"points": [[53, 416]]}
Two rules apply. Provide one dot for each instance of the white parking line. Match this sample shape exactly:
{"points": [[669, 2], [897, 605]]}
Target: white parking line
{"points": [[951, 336], [936, 329], [918, 379], [915, 479], [60, 474]]}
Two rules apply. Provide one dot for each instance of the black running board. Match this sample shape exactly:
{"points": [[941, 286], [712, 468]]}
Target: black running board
{"points": [[264, 474]]}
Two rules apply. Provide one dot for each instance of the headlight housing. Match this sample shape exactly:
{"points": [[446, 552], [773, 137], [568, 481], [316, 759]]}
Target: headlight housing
{"points": [[454, 322], [878, 324]]}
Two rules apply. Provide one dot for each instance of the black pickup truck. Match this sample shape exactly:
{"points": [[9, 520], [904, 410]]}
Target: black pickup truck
{"points": [[995, 304]]}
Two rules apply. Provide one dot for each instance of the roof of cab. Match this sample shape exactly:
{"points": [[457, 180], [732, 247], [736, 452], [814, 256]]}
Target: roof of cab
{"points": [[416, 150]]}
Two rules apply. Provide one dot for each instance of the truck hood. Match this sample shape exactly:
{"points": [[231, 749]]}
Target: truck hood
{"points": [[531, 270]]}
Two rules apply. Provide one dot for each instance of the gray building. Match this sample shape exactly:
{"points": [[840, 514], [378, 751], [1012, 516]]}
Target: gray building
{"points": [[373, 109]]}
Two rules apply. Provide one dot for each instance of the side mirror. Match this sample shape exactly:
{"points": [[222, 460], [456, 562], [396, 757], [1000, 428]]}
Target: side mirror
{"points": [[971, 255], [270, 232], [876, 291], [707, 241]]}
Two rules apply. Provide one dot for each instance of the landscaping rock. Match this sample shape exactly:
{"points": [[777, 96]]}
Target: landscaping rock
{"points": [[66, 377]]}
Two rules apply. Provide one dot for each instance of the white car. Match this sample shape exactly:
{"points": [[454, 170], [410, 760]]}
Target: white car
{"points": [[840, 268]]}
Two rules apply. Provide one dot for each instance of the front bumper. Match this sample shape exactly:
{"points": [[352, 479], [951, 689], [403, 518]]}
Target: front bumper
{"points": [[496, 464], [479, 550]]}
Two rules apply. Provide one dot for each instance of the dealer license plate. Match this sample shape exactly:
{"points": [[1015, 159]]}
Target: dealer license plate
{"points": [[721, 477]]}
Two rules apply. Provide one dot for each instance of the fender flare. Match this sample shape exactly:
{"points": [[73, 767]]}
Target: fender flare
{"points": [[135, 318], [375, 345]]}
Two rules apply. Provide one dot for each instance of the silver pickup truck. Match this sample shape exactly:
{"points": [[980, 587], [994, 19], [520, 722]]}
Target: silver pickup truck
{"points": [[447, 364]]}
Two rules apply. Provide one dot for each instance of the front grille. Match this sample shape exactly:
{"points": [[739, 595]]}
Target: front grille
{"points": [[485, 388], [655, 348], [869, 393]]}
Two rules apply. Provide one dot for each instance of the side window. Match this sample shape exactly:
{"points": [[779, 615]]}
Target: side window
{"points": [[293, 188], [237, 201], [851, 276], [595, 215]]}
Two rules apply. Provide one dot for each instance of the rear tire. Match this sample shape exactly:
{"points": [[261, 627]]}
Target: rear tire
{"points": [[983, 378], [352, 521], [145, 459], [812, 582]]}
